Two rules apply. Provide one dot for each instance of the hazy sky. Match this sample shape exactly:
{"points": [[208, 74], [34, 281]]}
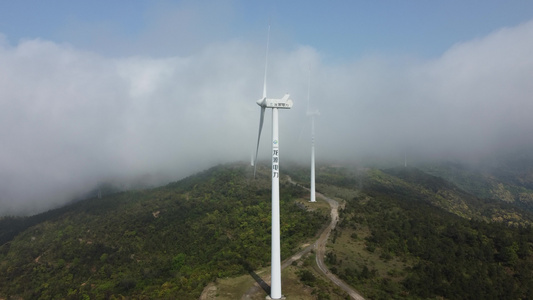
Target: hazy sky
{"points": [[126, 90]]}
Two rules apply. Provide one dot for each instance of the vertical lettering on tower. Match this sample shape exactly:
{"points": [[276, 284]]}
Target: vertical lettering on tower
{"points": [[275, 160]]}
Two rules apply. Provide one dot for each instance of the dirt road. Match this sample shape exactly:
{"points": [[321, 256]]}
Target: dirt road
{"points": [[320, 245], [320, 249]]}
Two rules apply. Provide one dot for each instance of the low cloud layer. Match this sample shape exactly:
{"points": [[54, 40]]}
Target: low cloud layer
{"points": [[71, 119]]}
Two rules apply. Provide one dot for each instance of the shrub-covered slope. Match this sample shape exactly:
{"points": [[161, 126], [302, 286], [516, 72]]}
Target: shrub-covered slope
{"points": [[509, 180], [167, 242], [408, 234]]}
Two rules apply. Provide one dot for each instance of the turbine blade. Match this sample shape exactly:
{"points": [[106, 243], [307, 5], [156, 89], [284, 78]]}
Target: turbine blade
{"points": [[259, 136], [266, 66], [308, 88]]}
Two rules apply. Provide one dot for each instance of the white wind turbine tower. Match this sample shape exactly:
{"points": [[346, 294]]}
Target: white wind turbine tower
{"points": [[312, 114], [285, 103]]}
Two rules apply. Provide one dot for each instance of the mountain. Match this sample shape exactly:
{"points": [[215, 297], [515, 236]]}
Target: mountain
{"points": [[166, 242], [414, 183], [508, 179], [409, 234], [402, 233]]}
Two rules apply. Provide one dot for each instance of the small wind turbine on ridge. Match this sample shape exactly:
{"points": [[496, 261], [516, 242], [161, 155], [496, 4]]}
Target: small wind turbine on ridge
{"points": [[312, 114], [264, 103]]}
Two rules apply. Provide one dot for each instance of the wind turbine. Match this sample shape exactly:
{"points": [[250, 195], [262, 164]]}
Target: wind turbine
{"points": [[275, 104], [312, 114]]}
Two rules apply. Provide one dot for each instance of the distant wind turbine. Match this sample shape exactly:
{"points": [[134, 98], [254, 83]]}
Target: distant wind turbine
{"points": [[312, 114], [264, 103]]}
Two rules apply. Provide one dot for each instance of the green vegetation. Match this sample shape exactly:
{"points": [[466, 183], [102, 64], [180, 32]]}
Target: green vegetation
{"points": [[413, 183], [508, 179], [320, 286], [412, 235], [402, 233], [165, 243]]}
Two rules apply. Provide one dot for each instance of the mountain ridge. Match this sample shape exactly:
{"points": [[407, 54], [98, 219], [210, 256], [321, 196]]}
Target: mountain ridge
{"points": [[171, 241], [165, 242]]}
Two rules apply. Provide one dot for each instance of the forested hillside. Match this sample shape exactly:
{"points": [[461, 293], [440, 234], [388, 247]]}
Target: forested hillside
{"points": [[509, 180], [408, 234], [402, 233], [164, 243]]}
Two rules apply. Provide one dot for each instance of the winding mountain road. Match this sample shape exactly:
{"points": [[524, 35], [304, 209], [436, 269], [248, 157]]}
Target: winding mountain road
{"points": [[320, 249], [320, 246]]}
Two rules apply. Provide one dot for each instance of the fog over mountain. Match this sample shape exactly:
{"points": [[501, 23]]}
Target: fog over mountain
{"points": [[71, 118]]}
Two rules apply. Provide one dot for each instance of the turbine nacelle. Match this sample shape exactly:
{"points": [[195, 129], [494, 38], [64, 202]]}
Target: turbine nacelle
{"points": [[284, 102]]}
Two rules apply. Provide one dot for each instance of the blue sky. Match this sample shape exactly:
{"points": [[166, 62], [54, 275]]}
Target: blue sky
{"points": [[337, 29], [152, 91]]}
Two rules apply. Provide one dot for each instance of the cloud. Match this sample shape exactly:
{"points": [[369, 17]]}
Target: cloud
{"points": [[71, 119], [473, 100], [479, 90]]}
